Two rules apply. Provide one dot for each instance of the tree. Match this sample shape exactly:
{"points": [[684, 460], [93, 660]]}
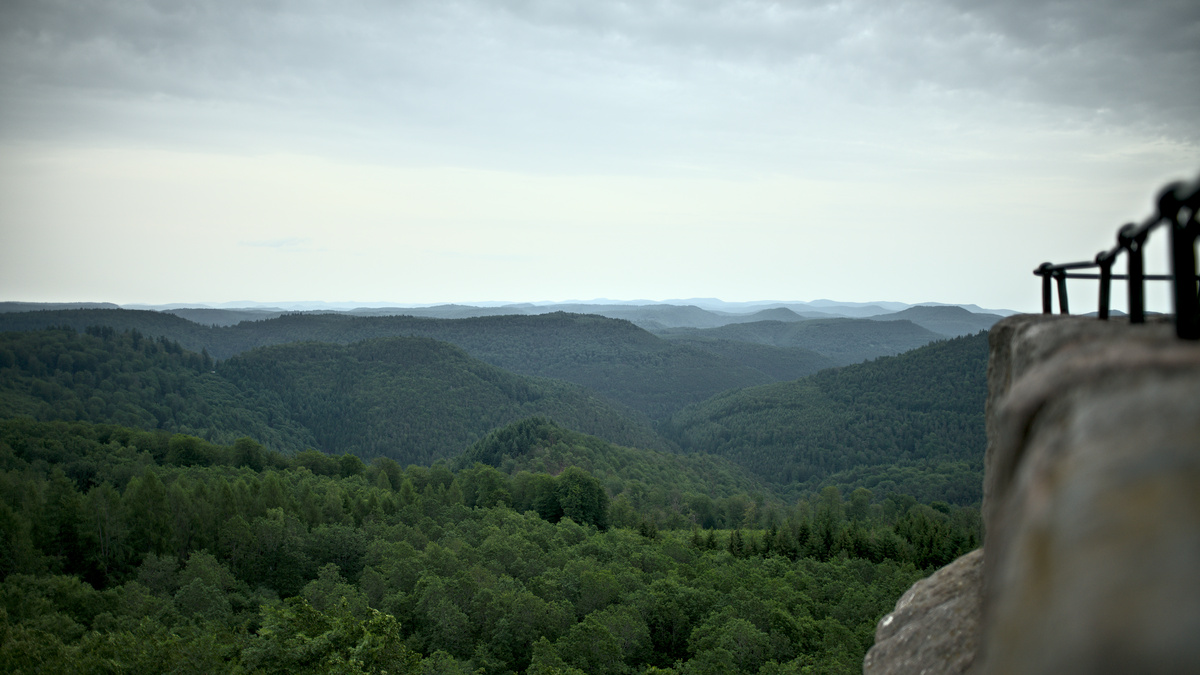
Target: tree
{"points": [[105, 530], [148, 513], [249, 453], [296, 638], [583, 498], [745, 644], [591, 647]]}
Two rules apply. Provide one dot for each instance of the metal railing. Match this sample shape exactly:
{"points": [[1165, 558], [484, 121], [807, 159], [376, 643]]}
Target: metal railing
{"points": [[1178, 204]]}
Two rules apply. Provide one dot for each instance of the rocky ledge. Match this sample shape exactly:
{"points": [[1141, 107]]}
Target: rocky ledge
{"points": [[1092, 512]]}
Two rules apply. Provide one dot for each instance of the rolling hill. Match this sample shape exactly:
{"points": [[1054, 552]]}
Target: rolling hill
{"points": [[411, 399], [949, 320], [613, 357], [912, 423], [842, 341]]}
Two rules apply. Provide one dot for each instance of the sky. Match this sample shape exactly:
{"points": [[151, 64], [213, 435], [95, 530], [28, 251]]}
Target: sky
{"points": [[416, 152]]}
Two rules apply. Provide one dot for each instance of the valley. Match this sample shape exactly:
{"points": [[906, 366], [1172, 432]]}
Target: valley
{"points": [[831, 459]]}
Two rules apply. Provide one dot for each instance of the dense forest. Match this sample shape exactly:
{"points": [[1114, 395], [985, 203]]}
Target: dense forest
{"points": [[842, 341], [911, 423], [612, 357], [128, 550], [371, 494], [412, 399]]}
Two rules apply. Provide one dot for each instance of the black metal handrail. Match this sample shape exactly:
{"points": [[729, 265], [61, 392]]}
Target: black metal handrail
{"points": [[1178, 204]]}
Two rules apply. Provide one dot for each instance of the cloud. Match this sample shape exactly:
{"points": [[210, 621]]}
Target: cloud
{"points": [[561, 130], [661, 82]]}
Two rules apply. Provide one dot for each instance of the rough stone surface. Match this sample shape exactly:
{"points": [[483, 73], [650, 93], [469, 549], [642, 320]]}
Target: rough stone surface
{"points": [[934, 628], [1021, 344], [1092, 514], [1092, 499]]}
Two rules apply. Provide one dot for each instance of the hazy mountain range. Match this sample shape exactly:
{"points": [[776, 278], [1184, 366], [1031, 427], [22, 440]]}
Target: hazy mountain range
{"points": [[949, 320]]}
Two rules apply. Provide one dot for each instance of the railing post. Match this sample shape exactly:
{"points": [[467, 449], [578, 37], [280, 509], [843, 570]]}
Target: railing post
{"points": [[1137, 272], [1178, 208], [1183, 262], [1061, 278], [1105, 261], [1047, 292]]}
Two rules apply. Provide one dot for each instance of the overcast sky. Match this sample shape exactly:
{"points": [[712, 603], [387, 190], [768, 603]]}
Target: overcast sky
{"points": [[416, 151]]}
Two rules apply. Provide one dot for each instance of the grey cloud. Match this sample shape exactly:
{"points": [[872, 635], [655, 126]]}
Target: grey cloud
{"points": [[658, 74]]}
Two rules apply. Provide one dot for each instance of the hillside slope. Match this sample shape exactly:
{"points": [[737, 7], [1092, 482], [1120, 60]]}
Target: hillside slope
{"points": [[858, 425], [412, 399], [645, 477], [949, 320], [843, 341], [613, 357], [779, 364], [415, 399]]}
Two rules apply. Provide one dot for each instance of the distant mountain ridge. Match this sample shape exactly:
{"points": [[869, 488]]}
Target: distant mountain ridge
{"points": [[48, 306], [694, 313], [945, 319]]}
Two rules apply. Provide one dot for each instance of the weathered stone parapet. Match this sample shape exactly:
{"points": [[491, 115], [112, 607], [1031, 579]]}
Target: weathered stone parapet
{"points": [[1091, 508], [1092, 499], [934, 628]]}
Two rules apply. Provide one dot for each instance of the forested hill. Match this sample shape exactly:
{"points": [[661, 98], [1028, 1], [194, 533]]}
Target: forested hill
{"points": [[188, 334], [913, 423], [949, 320], [611, 356], [109, 376], [704, 489], [843, 341], [777, 363], [411, 399], [415, 399]]}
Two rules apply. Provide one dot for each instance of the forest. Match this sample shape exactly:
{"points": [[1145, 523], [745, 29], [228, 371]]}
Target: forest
{"points": [[911, 423], [400, 504], [655, 375], [136, 551]]}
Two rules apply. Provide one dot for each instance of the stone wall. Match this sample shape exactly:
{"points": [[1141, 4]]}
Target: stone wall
{"points": [[1091, 507]]}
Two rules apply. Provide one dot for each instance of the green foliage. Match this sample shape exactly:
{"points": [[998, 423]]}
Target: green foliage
{"points": [[297, 638], [841, 341], [613, 357], [412, 399], [415, 400], [910, 424], [897, 422], [775, 362], [673, 489], [149, 521], [218, 567], [127, 379]]}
